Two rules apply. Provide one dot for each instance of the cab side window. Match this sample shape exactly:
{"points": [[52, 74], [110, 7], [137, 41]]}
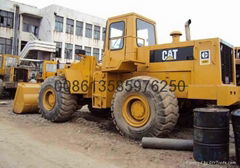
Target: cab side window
{"points": [[116, 36]]}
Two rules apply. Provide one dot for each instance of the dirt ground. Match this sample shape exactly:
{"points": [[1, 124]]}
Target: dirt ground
{"points": [[29, 141]]}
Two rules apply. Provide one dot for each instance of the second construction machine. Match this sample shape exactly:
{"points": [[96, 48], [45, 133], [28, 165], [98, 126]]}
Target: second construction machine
{"points": [[10, 74]]}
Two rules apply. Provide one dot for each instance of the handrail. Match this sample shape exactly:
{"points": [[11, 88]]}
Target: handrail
{"points": [[118, 37]]}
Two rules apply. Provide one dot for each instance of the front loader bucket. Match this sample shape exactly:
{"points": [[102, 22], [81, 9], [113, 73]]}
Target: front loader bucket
{"points": [[26, 98]]}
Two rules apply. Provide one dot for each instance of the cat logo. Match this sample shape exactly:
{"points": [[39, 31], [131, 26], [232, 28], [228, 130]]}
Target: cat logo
{"points": [[168, 55], [171, 54], [205, 57]]}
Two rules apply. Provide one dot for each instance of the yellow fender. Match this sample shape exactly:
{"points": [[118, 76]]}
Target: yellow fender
{"points": [[26, 98]]}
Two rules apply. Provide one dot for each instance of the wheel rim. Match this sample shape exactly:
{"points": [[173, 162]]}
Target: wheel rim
{"points": [[136, 110], [49, 99]]}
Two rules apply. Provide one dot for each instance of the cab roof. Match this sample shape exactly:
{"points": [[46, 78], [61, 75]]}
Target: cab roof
{"points": [[132, 14]]}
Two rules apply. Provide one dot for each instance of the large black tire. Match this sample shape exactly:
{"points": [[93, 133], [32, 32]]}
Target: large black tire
{"points": [[163, 107], [65, 103], [1, 89]]}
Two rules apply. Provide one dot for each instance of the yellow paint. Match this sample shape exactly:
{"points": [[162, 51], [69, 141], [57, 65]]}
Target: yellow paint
{"points": [[136, 110], [81, 73], [3, 60], [8, 67], [45, 73], [26, 98], [49, 99]]}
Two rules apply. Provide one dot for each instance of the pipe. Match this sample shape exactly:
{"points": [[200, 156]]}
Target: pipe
{"points": [[167, 143], [187, 30], [16, 30], [30, 60]]}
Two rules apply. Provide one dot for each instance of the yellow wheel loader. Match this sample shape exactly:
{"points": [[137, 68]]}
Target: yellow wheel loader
{"points": [[146, 85], [10, 74], [12, 71]]}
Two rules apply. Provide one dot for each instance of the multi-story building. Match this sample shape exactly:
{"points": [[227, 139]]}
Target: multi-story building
{"points": [[33, 33]]}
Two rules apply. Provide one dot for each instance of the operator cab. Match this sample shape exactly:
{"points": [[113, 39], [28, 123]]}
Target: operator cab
{"points": [[126, 33], [7, 61]]}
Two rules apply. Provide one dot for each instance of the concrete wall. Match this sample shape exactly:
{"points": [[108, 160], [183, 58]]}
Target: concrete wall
{"points": [[49, 34], [10, 6]]}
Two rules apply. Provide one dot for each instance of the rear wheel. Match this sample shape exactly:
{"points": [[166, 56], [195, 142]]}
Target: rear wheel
{"points": [[56, 105], [146, 111]]}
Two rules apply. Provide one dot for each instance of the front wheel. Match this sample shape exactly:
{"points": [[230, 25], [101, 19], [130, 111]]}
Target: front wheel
{"points": [[144, 112], [56, 106]]}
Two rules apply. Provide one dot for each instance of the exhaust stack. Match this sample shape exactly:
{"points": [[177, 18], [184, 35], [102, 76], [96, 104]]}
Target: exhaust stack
{"points": [[187, 30]]}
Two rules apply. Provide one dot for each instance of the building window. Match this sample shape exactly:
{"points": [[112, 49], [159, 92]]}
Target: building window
{"points": [[77, 47], [5, 46], [96, 53], [88, 50], [88, 32], [97, 32], [58, 23], [103, 33], [70, 26], [6, 19], [68, 51], [79, 28], [58, 49], [30, 28]]}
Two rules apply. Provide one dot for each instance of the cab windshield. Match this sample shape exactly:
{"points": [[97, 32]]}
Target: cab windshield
{"points": [[145, 33]]}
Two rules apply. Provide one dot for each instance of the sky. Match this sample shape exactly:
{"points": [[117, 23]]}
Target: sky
{"points": [[210, 18]]}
